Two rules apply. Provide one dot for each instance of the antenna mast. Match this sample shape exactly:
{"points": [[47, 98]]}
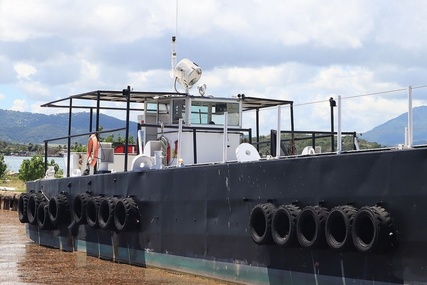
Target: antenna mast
{"points": [[173, 59], [173, 62]]}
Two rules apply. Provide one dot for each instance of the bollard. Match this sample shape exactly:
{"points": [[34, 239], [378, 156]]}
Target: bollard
{"points": [[6, 204], [15, 200]]}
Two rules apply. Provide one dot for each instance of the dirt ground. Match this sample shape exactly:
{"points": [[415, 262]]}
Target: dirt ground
{"points": [[24, 262]]}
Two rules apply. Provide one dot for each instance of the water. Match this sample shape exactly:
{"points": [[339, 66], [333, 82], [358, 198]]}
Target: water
{"points": [[24, 262], [14, 162]]}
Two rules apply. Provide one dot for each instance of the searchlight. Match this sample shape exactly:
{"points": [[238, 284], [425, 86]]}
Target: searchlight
{"points": [[187, 73]]}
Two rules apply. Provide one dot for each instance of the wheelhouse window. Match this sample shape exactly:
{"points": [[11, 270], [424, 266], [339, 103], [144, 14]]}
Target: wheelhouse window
{"points": [[208, 112], [157, 112]]}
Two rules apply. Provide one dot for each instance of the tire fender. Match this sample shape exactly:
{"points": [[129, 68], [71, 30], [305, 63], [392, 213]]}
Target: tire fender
{"points": [[283, 225], [311, 226], [260, 223]]}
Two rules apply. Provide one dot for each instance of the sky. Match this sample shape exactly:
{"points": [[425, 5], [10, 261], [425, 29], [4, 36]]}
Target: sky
{"points": [[301, 50]]}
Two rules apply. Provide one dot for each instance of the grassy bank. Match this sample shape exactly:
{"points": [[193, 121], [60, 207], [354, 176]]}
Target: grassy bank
{"points": [[13, 181]]}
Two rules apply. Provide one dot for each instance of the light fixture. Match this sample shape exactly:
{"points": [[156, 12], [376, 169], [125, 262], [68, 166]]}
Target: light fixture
{"points": [[202, 89], [187, 73]]}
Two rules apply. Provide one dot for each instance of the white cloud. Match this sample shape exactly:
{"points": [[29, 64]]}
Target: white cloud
{"points": [[154, 79], [296, 50], [34, 90], [337, 24], [19, 105], [403, 25], [24, 70], [116, 21], [89, 71]]}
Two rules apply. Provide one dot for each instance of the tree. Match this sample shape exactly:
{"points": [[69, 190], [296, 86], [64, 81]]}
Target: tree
{"points": [[58, 172], [31, 169], [80, 148], [3, 166]]}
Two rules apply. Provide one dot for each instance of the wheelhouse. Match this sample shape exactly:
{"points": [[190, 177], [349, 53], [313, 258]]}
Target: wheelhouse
{"points": [[177, 128]]}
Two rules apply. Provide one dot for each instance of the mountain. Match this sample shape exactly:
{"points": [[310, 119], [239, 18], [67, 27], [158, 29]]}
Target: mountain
{"points": [[25, 127], [392, 132]]}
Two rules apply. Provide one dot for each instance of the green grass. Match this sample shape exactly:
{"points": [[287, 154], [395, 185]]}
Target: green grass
{"points": [[13, 181]]}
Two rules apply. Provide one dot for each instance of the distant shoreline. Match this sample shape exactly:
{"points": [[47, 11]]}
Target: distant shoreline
{"points": [[14, 162]]}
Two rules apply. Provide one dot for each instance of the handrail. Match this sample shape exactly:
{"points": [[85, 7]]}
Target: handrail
{"points": [[191, 128], [196, 129], [311, 135], [46, 142]]}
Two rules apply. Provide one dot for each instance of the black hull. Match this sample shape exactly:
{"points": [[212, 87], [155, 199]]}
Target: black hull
{"points": [[196, 218]]}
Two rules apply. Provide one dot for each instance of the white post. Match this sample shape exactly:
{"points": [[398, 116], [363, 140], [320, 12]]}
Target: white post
{"points": [[225, 138], [179, 150], [339, 135], [410, 118], [406, 136], [278, 132], [140, 142]]}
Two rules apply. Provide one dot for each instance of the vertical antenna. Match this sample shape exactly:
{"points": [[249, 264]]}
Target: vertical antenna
{"points": [[173, 59], [176, 18]]}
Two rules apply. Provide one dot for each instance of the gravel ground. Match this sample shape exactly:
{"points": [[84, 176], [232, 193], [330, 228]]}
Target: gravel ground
{"points": [[24, 262]]}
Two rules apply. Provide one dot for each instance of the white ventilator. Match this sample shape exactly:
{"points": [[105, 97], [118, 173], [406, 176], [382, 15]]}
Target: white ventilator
{"points": [[247, 152], [308, 150], [141, 162]]}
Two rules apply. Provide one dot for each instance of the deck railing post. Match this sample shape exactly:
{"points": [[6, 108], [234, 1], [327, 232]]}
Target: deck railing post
{"points": [[225, 138], [45, 155], [126, 93], [339, 137], [332, 104], [278, 133], [179, 154], [410, 119]]}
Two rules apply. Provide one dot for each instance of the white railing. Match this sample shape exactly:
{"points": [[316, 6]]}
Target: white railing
{"points": [[410, 130]]}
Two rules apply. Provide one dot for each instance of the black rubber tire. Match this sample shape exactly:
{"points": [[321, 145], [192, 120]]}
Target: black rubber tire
{"points": [[311, 227], [372, 230], [260, 223], [106, 213], [43, 220], [283, 225], [338, 227], [32, 205], [126, 215], [79, 208], [92, 208], [22, 207], [59, 209]]}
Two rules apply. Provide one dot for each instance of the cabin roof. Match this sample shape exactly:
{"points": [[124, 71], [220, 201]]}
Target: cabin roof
{"points": [[248, 103], [253, 103]]}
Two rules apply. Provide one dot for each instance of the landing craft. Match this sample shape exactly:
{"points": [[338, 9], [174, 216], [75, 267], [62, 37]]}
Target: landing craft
{"points": [[194, 197]]}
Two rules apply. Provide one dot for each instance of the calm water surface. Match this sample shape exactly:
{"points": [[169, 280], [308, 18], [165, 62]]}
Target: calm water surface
{"points": [[14, 162], [24, 262]]}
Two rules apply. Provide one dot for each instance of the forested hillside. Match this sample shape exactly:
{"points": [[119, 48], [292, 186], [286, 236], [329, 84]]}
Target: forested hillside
{"points": [[25, 127]]}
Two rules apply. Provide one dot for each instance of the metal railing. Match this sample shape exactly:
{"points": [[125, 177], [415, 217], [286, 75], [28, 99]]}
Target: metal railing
{"points": [[194, 130], [68, 138], [199, 129]]}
